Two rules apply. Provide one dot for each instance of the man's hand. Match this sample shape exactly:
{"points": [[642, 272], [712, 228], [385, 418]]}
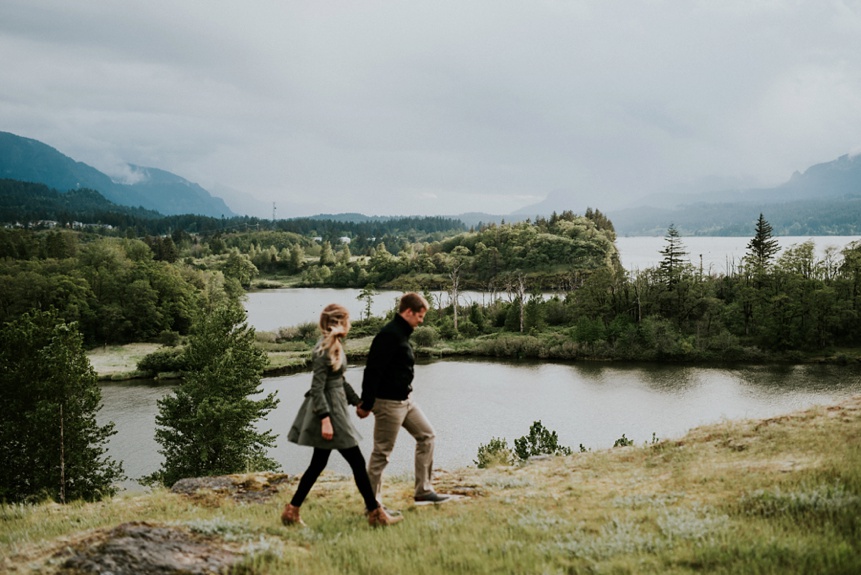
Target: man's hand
{"points": [[328, 432], [361, 412]]}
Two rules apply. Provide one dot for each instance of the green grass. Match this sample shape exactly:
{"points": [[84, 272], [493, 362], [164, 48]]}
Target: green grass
{"points": [[781, 495]]}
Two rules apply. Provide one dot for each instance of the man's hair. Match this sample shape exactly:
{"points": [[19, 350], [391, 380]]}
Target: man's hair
{"points": [[414, 302]]}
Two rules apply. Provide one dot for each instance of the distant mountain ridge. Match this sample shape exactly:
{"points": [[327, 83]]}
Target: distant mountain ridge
{"points": [[823, 200], [29, 160]]}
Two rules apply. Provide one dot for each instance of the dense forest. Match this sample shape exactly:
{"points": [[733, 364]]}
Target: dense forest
{"points": [[122, 285]]}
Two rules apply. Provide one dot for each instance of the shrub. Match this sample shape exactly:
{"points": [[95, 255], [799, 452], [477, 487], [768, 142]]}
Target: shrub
{"points": [[163, 360], [308, 331], [169, 338], [496, 452], [425, 336], [623, 442], [519, 346], [265, 337], [540, 441], [302, 332]]}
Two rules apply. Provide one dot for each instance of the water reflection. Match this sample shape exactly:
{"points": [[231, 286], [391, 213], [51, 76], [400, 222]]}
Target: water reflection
{"points": [[471, 401]]}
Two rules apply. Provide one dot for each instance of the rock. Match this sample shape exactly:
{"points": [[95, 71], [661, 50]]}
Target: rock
{"points": [[245, 488], [141, 548]]}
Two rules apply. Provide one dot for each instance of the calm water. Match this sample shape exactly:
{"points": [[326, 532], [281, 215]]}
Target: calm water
{"points": [[470, 402], [269, 310]]}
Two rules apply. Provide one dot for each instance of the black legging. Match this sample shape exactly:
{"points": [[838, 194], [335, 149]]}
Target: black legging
{"points": [[354, 457]]}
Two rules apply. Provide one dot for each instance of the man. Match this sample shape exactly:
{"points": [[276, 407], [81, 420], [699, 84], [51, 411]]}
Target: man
{"points": [[386, 388]]}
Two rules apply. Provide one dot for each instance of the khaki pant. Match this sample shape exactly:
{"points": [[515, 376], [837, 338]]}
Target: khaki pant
{"points": [[389, 417]]}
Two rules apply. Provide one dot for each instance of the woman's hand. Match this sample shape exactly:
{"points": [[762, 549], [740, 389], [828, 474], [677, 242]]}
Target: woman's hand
{"points": [[328, 432]]}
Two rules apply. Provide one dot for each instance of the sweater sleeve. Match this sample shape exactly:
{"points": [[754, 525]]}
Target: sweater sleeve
{"points": [[352, 397], [318, 385]]}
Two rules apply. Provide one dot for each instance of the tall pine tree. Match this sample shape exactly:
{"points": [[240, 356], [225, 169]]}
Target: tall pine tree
{"points": [[762, 247], [208, 425], [50, 443], [674, 263]]}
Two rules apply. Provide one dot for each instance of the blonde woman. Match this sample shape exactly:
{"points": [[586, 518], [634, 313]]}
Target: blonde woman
{"points": [[323, 421]]}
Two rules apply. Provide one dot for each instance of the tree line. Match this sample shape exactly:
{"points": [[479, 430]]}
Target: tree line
{"points": [[768, 307]]}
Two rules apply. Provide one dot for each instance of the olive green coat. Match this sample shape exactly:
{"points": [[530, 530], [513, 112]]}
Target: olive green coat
{"points": [[330, 393]]}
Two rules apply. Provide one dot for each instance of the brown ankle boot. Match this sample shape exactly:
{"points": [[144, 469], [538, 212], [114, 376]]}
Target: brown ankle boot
{"points": [[290, 515], [379, 517]]}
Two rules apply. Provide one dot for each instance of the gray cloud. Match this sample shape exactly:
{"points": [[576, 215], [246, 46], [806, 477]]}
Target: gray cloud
{"points": [[444, 107]]}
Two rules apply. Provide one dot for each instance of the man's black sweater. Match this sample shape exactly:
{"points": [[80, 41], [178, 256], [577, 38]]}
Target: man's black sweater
{"points": [[389, 370]]}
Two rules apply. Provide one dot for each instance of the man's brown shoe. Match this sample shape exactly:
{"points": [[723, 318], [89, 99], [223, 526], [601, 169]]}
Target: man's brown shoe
{"points": [[290, 515], [379, 517]]}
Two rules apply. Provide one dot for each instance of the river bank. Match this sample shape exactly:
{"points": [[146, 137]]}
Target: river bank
{"points": [[775, 495], [119, 362]]}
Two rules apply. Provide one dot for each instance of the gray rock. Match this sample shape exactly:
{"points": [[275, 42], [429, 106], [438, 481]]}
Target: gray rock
{"points": [[141, 548]]}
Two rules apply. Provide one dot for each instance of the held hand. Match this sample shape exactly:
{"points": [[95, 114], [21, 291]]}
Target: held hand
{"points": [[361, 412], [328, 432]]}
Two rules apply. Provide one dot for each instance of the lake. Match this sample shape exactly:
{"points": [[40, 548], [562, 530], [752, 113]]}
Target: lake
{"points": [[471, 401]]}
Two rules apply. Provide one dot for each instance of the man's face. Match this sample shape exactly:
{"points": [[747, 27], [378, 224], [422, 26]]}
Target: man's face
{"points": [[414, 318]]}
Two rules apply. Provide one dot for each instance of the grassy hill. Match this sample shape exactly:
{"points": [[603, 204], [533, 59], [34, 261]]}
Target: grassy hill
{"points": [[781, 495]]}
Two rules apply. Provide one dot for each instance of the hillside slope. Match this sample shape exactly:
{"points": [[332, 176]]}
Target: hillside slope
{"points": [[29, 160], [781, 495]]}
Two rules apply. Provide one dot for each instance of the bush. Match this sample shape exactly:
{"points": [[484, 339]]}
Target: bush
{"points": [[467, 328], [302, 332], [540, 441], [495, 453], [163, 360], [519, 346], [169, 338], [623, 442], [425, 336]]}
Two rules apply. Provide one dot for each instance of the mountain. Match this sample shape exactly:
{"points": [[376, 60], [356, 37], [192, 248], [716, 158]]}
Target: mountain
{"points": [[823, 200], [24, 202], [556, 201], [29, 160]]}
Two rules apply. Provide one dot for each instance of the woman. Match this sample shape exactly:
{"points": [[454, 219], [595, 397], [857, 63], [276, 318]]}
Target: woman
{"points": [[323, 421]]}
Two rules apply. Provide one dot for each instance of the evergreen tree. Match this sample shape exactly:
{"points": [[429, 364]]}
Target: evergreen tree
{"points": [[297, 258], [327, 255], [673, 263], [50, 443], [762, 247], [208, 425]]}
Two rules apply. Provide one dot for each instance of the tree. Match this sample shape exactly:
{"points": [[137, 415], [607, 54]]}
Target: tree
{"points": [[50, 443], [762, 247], [297, 258], [240, 268], [455, 261], [327, 256], [208, 425], [674, 253], [367, 296]]}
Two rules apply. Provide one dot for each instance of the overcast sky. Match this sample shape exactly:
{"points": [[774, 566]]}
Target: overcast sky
{"points": [[437, 107]]}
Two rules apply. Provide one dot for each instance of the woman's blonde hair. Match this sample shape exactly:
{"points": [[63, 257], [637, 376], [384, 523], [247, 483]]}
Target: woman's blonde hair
{"points": [[334, 325]]}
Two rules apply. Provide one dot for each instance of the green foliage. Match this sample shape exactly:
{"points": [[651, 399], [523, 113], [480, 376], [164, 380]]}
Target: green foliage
{"points": [[540, 441], [163, 360], [50, 443], [623, 442], [495, 453], [425, 336], [208, 425]]}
